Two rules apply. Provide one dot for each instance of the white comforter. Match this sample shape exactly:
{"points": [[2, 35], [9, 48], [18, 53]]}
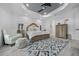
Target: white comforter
{"points": [[35, 33]]}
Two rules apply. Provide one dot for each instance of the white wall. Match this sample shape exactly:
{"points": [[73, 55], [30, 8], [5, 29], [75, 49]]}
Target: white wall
{"points": [[73, 21], [76, 17], [13, 14], [10, 16], [6, 20]]}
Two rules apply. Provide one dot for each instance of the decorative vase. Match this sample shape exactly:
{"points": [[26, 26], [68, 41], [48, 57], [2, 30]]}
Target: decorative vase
{"points": [[21, 30], [18, 31]]}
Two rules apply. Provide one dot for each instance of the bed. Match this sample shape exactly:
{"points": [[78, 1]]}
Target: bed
{"points": [[35, 34]]}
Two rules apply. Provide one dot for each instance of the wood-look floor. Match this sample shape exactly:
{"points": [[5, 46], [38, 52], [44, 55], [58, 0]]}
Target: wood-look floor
{"points": [[72, 49]]}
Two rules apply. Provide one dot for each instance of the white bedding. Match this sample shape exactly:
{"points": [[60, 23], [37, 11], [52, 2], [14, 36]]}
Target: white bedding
{"points": [[35, 33]]}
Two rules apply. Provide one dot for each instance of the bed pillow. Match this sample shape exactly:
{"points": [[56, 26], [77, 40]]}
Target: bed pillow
{"points": [[33, 28]]}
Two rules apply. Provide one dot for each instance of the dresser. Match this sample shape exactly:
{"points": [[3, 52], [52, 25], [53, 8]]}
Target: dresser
{"points": [[62, 31]]}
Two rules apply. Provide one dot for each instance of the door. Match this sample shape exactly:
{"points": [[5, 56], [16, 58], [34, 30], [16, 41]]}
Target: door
{"points": [[76, 20]]}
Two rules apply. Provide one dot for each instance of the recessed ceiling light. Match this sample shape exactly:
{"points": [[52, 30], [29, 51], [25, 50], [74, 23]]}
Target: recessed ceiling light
{"points": [[27, 5]]}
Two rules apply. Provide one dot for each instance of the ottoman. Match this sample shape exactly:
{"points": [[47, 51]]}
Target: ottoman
{"points": [[21, 43]]}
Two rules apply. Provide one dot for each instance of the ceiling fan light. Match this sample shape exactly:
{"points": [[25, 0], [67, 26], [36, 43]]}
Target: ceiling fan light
{"points": [[43, 8]]}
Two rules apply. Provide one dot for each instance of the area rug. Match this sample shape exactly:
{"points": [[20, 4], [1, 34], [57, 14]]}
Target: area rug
{"points": [[48, 47]]}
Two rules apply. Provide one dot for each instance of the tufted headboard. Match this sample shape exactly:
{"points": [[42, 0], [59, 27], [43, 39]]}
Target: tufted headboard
{"points": [[32, 27]]}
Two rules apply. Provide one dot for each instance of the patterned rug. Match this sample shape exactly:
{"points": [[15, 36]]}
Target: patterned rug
{"points": [[48, 47]]}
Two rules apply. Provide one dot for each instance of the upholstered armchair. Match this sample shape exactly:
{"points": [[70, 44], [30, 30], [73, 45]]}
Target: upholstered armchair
{"points": [[10, 39]]}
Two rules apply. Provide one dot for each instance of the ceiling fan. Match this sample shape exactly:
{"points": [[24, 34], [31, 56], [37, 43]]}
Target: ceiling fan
{"points": [[44, 6]]}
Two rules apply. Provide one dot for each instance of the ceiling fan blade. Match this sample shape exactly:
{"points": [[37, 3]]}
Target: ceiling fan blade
{"points": [[40, 10], [46, 4]]}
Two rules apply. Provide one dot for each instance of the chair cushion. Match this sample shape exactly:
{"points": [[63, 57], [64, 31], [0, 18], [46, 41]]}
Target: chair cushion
{"points": [[10, 39], [21, 42]]}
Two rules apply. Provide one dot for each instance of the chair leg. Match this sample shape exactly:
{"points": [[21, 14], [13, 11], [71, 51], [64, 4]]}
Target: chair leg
{"points": [[12, 45]]}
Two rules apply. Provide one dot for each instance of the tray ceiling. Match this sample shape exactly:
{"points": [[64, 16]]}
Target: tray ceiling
{"points": [[43, 8]]}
